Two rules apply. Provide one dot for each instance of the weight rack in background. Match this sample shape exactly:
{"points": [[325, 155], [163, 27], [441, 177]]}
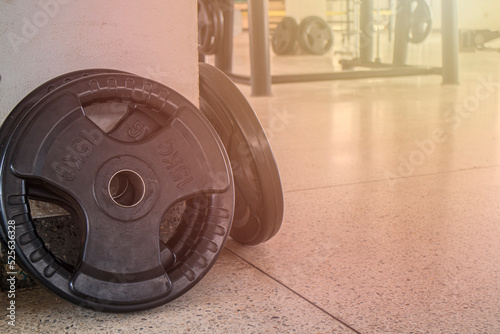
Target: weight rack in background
{"points": [[343, 16], [260, 78]]}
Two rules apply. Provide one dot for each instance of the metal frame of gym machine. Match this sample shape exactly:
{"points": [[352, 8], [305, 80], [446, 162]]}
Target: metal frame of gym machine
{"points": [[260, 78]]}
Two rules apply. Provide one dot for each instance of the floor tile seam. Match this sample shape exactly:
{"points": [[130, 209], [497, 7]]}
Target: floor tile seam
{"points": [[294, 292], [341, 185]]}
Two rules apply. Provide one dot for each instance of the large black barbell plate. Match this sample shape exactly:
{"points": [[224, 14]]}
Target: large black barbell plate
{"points": [[120, 183], [420, 21], [315, 35], [259, 195], [285, 36]]}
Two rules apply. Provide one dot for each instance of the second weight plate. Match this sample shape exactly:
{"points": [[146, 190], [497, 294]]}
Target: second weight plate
{"points": [[259, 204]]}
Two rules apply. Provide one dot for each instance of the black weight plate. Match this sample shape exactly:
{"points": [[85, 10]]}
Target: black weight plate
{"points": [[36, 95], [205, 27], [420, 21], [315, 35], [285, 36], [259, 195], [210, 27], [120, 183]]}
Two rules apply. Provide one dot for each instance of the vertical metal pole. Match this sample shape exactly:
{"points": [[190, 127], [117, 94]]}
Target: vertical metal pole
{"points": [[391, 19], [379, 22], [449, 30], [401, 32], [356, 27], [366, 30], [224, 58], [348, 19], [260, 76]]}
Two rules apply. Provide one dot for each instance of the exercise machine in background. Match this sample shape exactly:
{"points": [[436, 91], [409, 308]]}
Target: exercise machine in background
{"points": [[413, 23]]}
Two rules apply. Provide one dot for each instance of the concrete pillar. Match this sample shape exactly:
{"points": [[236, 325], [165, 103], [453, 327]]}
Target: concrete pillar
{"points": [[43, 39]]}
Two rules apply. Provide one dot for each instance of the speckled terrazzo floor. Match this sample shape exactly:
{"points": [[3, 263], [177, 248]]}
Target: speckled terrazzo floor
{"points": [[392, 219]]}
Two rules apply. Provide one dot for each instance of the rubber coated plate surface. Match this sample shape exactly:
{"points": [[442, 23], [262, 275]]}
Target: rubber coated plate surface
{"points": [[120, 182], [315, 35], [285, 36], [259, 196], [36, 95], [420, 21]]}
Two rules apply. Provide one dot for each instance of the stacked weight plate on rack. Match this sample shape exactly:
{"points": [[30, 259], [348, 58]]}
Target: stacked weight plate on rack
{"points": [[118, 152], [259, 196], [313, 34]]}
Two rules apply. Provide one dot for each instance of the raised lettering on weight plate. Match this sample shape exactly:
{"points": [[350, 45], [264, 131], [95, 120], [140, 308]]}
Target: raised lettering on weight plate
{"points": [[173, 162], [138, 131], [77, 154]]}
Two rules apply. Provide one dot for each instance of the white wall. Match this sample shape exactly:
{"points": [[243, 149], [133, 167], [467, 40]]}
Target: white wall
{"points": [[300, 9], [42, 39], [479, 14]]}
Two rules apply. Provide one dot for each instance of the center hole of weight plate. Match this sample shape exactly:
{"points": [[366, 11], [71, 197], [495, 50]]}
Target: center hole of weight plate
{"points": [[127, 188]]}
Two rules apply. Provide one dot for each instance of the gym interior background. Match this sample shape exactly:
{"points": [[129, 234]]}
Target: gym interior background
{"points": [[387, 151]]}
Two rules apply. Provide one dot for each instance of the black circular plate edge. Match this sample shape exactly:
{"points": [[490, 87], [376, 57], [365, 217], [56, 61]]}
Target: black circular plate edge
{"points": [[249, 124]]}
